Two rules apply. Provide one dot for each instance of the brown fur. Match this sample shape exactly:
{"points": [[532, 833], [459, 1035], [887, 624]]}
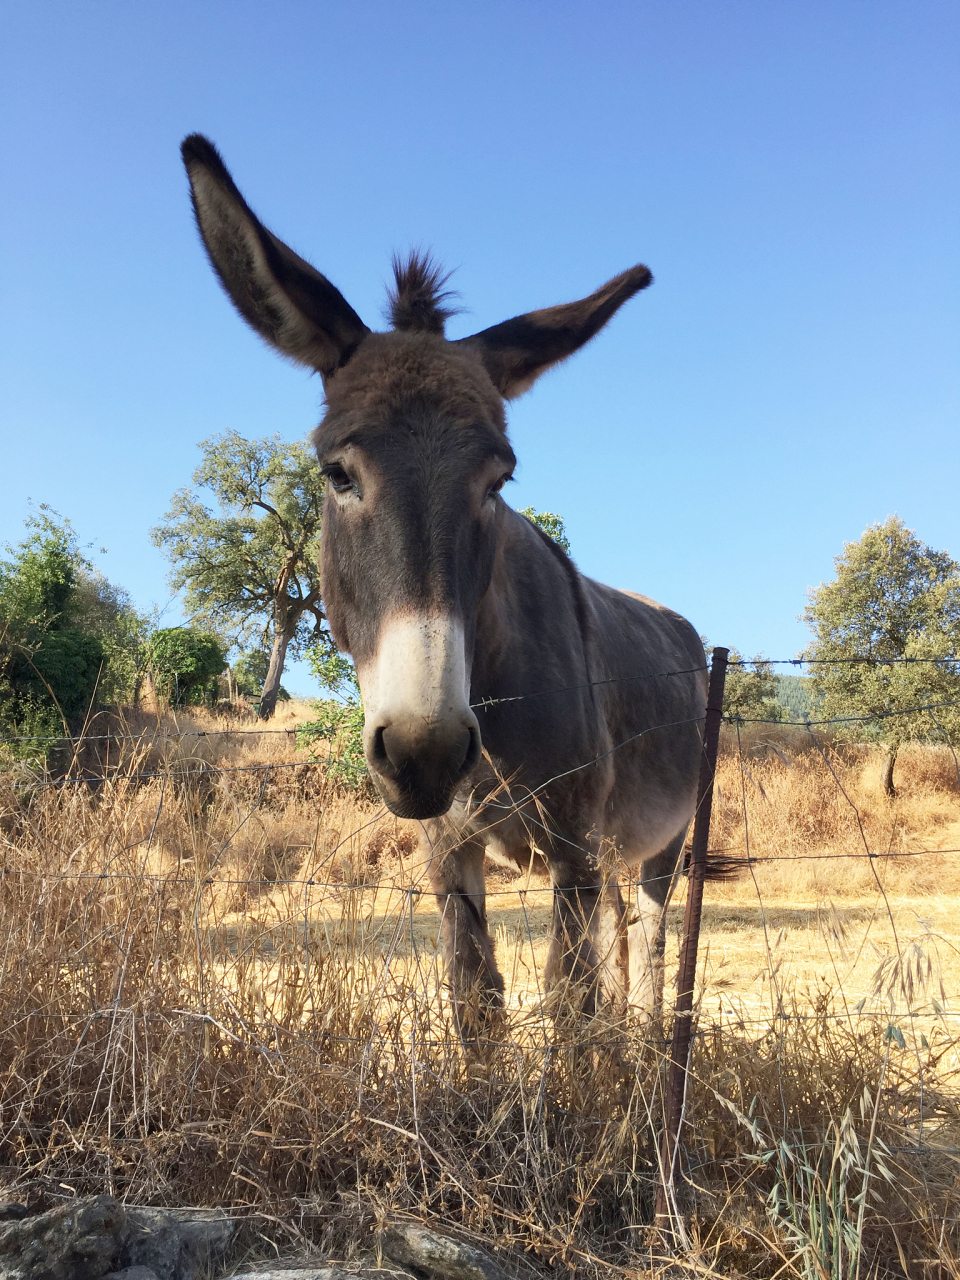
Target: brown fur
{"points": [[417, 299], [588, 702]]}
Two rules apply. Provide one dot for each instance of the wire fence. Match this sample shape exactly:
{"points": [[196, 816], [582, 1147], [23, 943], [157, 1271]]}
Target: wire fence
{"points": [[254, 909]]}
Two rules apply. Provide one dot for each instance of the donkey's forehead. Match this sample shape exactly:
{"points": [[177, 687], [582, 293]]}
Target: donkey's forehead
{"points": [[391, 370]]}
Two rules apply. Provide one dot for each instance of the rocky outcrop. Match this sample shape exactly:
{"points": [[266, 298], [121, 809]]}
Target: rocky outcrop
{"points": [[439, 1257], [99, 1239]]}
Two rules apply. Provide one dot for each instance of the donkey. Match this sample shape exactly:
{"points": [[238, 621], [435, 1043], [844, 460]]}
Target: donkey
{"points": [[515, 707]]}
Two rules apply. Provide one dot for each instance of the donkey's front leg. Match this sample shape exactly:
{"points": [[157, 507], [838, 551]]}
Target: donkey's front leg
{"points": [[586, 952], [475, 982]]}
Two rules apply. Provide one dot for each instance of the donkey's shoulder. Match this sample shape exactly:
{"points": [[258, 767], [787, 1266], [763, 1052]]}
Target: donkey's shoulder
{"points": [[630, 623]]}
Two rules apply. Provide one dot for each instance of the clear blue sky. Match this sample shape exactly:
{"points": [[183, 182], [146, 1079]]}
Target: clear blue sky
{"points": [[788, 171]]}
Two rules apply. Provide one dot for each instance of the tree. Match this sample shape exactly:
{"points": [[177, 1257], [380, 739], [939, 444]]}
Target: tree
{"points": [[68, 637], [49, 668], [100, 608], [339, 719], [551, 524], [748, 695], [892, 598], [185, 664], [250, 569], [250, 672]]}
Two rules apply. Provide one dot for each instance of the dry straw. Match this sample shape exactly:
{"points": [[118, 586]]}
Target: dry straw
{"points": [[223, 988]]}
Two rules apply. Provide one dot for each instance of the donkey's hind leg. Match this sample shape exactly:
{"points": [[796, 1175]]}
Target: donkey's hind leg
{"points": [[647, 934], [456, 876]]}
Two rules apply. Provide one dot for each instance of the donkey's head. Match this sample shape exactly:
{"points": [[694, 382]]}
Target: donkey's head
{"points": [[415, 450]]}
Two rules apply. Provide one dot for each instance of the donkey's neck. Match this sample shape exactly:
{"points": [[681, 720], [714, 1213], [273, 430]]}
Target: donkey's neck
{"points": [[533, 624]]}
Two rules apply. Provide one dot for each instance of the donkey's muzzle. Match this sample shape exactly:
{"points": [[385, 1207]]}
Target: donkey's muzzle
{"points": [[417, 768]]}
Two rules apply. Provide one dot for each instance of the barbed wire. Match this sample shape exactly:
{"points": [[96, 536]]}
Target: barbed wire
{"points": [[863, 660], [210, 770], [864, 719], [181, 734], [391, 886]]}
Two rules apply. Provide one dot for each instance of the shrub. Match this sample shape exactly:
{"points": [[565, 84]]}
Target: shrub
{"points": [[185, 665]]}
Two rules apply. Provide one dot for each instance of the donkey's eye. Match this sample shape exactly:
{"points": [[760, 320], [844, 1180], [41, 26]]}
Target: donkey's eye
{"points": [[338, 477], [495, 488]]}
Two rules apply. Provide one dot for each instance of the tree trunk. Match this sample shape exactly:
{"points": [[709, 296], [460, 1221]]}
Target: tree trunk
{"points": [[889, 760], [271, 685]]}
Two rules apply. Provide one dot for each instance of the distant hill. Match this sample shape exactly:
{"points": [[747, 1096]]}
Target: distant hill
{"points": [[797, 695]]}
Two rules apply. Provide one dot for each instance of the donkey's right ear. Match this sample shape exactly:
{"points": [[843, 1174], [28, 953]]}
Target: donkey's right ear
{"points": [[286, 300]]}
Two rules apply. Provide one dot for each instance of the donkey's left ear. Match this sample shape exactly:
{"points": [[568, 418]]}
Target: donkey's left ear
{"points": [[286, 300], [516, 352]]}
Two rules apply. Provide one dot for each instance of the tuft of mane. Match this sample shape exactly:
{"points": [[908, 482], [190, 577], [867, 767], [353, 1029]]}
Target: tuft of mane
{"points": [[417, 298]]}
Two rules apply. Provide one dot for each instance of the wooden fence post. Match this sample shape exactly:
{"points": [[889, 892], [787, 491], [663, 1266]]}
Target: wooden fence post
{"points": [[687, 975]]}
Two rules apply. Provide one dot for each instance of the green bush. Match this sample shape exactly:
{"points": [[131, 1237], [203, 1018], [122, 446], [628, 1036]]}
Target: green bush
{"points": [[340, 719], [185, 664]]}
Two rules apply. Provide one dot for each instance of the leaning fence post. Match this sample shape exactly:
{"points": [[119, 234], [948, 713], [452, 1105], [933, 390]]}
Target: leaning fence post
{"points": [[686, 978]]}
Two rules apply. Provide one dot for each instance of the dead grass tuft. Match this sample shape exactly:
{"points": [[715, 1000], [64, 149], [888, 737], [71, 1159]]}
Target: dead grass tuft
{"points": [[223, 988]]}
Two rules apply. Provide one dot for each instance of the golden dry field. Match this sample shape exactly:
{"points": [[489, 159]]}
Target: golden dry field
{"points": [[220, 985]]}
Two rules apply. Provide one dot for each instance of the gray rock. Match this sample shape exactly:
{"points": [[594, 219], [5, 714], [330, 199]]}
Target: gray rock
{"points": [[439, 1256], [151, 1239], [308, 1271], [96, 1237], [11, 1211], [77, 1241], [174, 1247], [202, 1241], [293, 1270]]}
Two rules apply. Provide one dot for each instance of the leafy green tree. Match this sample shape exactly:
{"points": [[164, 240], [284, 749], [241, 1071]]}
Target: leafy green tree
{"points": [[100, 608], [797, 697], [49, 668], [750, 688], [185, 663], [68, 637], [551, 524], [249, 569], [893, 597], [250, 671]]}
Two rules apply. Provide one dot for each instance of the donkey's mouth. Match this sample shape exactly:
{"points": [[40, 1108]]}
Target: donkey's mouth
{"points": [[422, 783], [409, 805]]}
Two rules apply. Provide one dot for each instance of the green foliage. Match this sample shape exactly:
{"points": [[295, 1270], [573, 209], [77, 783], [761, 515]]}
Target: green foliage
{"points": [[748, 694], [797, 697], [893, 597], [185, 663], [551, 524], [248, 565], [340, 718], [56, 654], [341, 725], [250, 671], [100, 609], [334, 672]]}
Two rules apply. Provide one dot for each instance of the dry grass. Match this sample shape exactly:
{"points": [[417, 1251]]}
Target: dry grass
{"points": [[222, 988]]}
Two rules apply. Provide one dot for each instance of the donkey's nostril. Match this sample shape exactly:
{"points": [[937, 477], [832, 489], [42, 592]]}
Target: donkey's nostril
{"points": [[379, 747], [473, 750]]}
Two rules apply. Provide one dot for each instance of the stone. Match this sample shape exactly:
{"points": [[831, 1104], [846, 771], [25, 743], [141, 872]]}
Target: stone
{"points": [[438, 1256], [202, 1241], [76, 1241], [295, 1270], [151, 1239], [11, 1211], [174, 1244], [309, 1271], [96, 1238]]}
